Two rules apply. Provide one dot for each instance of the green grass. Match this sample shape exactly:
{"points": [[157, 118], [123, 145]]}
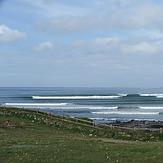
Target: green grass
{"points": [[25, 139]]}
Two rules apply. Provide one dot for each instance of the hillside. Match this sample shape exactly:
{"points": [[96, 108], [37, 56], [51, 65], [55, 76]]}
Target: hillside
{"points": [[35, 136]]}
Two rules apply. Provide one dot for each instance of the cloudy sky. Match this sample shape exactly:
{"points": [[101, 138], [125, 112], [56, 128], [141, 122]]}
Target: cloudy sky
{"points": [[94, 43]]}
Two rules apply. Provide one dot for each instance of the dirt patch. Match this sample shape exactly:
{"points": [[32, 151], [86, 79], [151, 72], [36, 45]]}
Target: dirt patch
{"points": [[115, 141]]}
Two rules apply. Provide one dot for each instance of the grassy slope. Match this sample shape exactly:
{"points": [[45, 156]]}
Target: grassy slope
{"points": [[22, 140]]}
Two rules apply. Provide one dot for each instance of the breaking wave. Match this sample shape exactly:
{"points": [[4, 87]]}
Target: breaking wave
{"points": [[76, 97], [96, 96], [128, 113], [35, 104], [152, 108], [121, 119], [91, 108], [152, 95]]}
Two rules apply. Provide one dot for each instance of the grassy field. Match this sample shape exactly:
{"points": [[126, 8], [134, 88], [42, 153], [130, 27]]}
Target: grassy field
{"points": [[28, 136]]}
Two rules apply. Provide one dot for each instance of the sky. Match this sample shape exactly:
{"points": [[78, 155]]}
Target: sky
{"points": [[76, 43]]}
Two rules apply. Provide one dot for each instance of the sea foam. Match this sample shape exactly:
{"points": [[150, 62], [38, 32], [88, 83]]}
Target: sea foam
{"points": [[156, 95], [127, 113], [91, 107], [35, 104], [151, 107], [74, 97]]}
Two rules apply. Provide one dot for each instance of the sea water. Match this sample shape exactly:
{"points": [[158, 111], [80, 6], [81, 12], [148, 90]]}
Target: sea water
{"points": [[100, 104]]}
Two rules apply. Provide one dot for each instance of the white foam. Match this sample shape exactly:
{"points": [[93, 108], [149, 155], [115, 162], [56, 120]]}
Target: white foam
{"points": [[123, 95], [100, 119], [115, 119], [152, 108], [34, 104], [127, 113], [73, 97], [145, 119], [156, 95], [91, 108], [107, 108], [85, 107]]}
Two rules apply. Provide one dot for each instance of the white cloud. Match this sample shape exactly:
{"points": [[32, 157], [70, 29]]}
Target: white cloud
{"points": [[8, 34], [47, 8], [106, 41], [116, 48], [43, 46], [118, 15], [71, 24], [147, 16], [141, 48]]}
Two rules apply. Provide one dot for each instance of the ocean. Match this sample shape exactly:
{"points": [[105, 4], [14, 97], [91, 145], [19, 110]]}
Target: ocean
{"points": [[104, 105]]}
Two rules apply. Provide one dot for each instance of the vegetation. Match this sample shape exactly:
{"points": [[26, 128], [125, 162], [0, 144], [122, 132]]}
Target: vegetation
{"points": [[35, 136]]}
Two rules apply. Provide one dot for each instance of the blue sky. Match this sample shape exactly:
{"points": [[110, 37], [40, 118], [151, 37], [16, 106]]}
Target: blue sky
{"points": [[95, 43]]}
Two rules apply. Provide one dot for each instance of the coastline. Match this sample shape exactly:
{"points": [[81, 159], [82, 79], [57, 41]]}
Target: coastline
{"points": [[140, 124], [132, 125]]}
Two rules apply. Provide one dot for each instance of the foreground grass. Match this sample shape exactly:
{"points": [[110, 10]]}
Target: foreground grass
{"points": [[23, 140]]}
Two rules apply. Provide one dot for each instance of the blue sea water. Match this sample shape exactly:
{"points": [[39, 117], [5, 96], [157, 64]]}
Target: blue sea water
{"points": [[100, 104]]}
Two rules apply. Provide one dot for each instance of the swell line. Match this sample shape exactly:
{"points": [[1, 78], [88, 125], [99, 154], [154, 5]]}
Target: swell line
{"points": [[73, 97], [152, 95], [35, 104], [128, 113]]}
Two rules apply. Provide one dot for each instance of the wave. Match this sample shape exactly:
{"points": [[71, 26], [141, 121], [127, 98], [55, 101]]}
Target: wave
{"points": [[140, 107], [149, 107], [152, 95], [95, 96], [76, 97], [35, 104], [122, 120], [128, 113], [83, 107], [122, 94], [105, 108], [90, 108], [65, 106]]}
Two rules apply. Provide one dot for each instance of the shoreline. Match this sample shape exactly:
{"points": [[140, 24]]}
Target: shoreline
{"points": [[130, 124], [139, 124]]}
